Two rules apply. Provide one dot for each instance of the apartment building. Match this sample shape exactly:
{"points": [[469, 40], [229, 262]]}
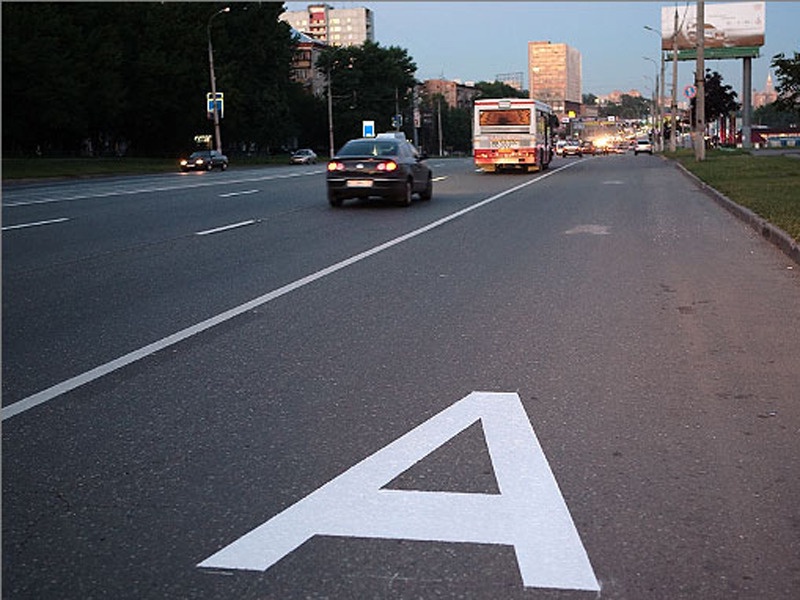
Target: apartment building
{"points": [[555, 76], [335, 26], [455, 94], [304, 63]]}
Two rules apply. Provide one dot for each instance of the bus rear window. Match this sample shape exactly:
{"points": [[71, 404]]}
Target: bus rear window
{"points": [[509, 116]]}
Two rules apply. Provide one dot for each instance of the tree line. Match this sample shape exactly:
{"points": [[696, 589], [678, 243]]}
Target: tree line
{"points": [[109, 78], [95, 78]]}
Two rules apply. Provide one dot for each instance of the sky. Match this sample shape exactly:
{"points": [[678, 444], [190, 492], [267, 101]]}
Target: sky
{"points": [[475, 41]]}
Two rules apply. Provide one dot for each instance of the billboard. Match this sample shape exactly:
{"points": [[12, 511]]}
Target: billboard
{"points": [[736, 25]]}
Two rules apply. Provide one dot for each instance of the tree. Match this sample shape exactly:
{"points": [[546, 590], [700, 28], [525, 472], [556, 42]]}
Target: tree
{"points": [[93, 78], [788, 88], [498, 89], [629, 107], [771, 115], [368, 82], [720, 99]]}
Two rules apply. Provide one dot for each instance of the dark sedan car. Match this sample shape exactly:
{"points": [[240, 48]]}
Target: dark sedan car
{"points": [[205, 160], [384, 167]]}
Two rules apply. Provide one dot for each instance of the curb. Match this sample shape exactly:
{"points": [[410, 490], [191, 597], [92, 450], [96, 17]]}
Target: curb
{"points": [[775, 235]]}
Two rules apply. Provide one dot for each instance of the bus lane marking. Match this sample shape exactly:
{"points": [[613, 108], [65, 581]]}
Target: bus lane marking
{"points": [[528, 514]]}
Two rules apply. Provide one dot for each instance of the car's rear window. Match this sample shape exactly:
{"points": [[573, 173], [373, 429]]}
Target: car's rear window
{"points": [[369, 148]]}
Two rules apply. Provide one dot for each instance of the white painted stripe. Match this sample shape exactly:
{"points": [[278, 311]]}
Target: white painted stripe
{"points": [[226, 227], [123, 361], [166, 188], [36, 224], [232, 194], [442, 178]]}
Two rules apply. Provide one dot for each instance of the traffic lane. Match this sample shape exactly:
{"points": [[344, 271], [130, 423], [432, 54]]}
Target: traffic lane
{"points": [[654, 468], [107, 216], [686, 390], [309, 414], [69, 318], [104, 217]]}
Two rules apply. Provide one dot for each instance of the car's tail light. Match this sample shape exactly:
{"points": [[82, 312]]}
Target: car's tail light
{"points": [[335, 166], [389, 165]]}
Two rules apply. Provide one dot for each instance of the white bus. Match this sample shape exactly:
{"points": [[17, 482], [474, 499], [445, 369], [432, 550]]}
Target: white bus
{"points": [[512, 133]]}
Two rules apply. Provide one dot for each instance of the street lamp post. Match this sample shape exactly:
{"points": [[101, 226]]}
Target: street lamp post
{"points": [[662, 95], [217, 135]]}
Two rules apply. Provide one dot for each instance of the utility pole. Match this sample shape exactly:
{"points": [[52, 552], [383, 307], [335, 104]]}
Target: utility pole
{"points": [[439, 104], [700, 79], [673, 130]]}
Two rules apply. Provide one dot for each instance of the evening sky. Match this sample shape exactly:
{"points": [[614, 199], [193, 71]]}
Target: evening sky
{"points": [[475, 41]]}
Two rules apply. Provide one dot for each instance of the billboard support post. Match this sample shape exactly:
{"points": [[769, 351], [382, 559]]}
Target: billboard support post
{"points": [[747, 102]]}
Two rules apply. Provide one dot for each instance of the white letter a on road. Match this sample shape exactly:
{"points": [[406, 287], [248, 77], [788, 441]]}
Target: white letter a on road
{"points": [[529, 513]]}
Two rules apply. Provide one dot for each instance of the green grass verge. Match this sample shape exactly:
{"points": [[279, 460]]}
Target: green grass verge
{"points": [[767, 185]]}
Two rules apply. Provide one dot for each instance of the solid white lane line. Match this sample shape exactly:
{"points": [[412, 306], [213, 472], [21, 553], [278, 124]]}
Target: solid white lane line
{"points": [[59, 389], [225, 227], [232, 194], [36, 224]]}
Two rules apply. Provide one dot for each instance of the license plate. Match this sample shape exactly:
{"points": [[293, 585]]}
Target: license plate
{"points": [[359, 183]]}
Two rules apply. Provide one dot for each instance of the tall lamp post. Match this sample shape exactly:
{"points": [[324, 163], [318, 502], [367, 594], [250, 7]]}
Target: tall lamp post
{"points": [[218, 137], [663, 90]]}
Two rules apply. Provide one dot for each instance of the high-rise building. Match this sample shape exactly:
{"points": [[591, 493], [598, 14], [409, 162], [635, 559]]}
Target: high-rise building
{"points": [[767, 96], [554, 72], [335, 26]]}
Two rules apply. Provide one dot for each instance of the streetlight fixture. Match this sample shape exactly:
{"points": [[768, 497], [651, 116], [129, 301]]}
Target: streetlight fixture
{"points": [[218, 137]]}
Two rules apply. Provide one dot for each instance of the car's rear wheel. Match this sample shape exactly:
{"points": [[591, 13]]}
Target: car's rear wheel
{"points": [[405, 195], [427, 193], [334, 200]]}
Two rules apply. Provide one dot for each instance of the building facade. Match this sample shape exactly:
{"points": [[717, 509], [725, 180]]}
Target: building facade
{"points": [[304, 63], [515, 80], [767, 96], [554, 72], [334, 26], [455, 94]]}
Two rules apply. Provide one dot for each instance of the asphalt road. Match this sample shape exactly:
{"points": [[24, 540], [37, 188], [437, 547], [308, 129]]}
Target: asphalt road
{"points": [[189, 357]]}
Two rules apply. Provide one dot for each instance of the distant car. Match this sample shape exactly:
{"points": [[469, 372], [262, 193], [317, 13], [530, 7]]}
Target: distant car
{"points": [[204, 160], [304, 156], [384, 167], [560, 147], [588, 148], [572, 148], [643, 145]]}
